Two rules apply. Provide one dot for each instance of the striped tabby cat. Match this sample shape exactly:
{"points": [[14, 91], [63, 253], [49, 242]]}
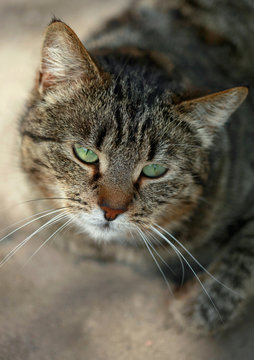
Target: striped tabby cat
{"points": [[126, 137]]}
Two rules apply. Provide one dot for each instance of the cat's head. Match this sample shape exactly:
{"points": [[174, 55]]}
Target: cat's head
{"points": [[114, 146]]}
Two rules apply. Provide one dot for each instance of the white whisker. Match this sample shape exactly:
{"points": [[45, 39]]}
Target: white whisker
{"points": [[155, 260], [23, 242], [190, 267], [196, 261], [179, 257], [156, 252], [27, 218], [66, 229], [30, 222], [50, 237], [130, 231]]}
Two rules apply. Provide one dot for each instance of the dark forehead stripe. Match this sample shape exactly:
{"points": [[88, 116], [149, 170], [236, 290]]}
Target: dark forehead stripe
{"points": [[153, 143], [119, 126], [152, 150], [146, 125], [39, 138], [100, 137], [133, 130]]}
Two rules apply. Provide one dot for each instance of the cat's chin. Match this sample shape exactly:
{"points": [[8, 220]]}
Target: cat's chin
{"points": [[98, 228], [102, 232]]}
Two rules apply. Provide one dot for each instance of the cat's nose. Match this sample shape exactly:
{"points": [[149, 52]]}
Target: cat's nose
{"points": [[113, 201], [110, 214]]}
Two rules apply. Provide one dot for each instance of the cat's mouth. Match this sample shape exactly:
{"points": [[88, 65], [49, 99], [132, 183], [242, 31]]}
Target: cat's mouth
{"points": [[103, 231], [105, 226], [97, 227]]}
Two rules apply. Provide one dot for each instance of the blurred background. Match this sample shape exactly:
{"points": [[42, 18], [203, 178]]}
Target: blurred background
{"points": [[65, 307]]}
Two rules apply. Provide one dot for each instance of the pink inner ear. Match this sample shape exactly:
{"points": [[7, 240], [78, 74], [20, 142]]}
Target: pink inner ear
{"points": [[46, 80]]}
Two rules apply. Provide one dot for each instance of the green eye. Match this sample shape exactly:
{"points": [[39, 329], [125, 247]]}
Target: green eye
{"points": [[85, 155], [154, 170]]}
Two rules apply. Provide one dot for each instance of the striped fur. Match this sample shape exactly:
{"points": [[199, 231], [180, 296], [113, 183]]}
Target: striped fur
{"points": [[131, 104]]}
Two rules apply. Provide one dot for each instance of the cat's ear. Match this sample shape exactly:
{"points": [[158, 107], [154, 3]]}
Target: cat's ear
{"points": [[208, 113], [64, 58]]}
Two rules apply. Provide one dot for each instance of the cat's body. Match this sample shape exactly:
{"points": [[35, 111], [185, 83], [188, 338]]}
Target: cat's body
{"points": [[133, 105]]}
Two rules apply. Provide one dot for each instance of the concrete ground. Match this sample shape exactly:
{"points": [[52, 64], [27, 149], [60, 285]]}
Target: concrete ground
{"points": [[69, 305]]}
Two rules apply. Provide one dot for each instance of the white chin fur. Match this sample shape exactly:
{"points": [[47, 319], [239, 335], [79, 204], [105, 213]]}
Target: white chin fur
{"points": [[100, 229]]}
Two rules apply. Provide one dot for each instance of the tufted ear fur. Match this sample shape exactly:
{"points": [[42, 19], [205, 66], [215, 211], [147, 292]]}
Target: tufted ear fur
{"points": [[208, 113], [64, 58]]}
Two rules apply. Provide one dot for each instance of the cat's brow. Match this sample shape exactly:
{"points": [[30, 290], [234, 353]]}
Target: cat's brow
{"points": [[40, 138]]}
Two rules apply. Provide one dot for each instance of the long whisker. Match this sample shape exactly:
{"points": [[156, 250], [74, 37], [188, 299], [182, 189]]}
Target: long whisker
{"points": [[30, 222], [194, 259], [65, 229], [130, 231], [23, 242], [155, 260], [27, 218], [156, 252], [45, 242], [40, 199], [179, 257], [49, 198], [190, 267]]}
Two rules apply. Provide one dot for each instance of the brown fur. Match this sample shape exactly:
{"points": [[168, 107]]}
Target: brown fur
{"points": [[128, 104]]}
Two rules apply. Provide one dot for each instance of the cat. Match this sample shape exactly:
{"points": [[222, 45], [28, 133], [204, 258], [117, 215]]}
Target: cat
{"points": [[133, 139]]}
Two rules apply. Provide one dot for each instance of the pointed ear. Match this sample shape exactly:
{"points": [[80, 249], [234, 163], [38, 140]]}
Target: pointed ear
{"points": [[64, 58], [208, 113]]}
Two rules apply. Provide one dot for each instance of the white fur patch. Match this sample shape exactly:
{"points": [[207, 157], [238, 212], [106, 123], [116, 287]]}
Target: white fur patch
{"points": [[100, 229]]}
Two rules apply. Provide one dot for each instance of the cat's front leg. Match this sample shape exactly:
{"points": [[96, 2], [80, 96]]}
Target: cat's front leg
{"points": [[216, 306]]}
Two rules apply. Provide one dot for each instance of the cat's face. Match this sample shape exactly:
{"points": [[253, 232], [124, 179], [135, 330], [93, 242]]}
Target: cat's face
{"points": [[147, 159]]}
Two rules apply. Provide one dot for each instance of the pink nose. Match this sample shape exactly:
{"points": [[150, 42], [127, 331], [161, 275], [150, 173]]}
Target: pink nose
{"points": [[109, 213]]}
